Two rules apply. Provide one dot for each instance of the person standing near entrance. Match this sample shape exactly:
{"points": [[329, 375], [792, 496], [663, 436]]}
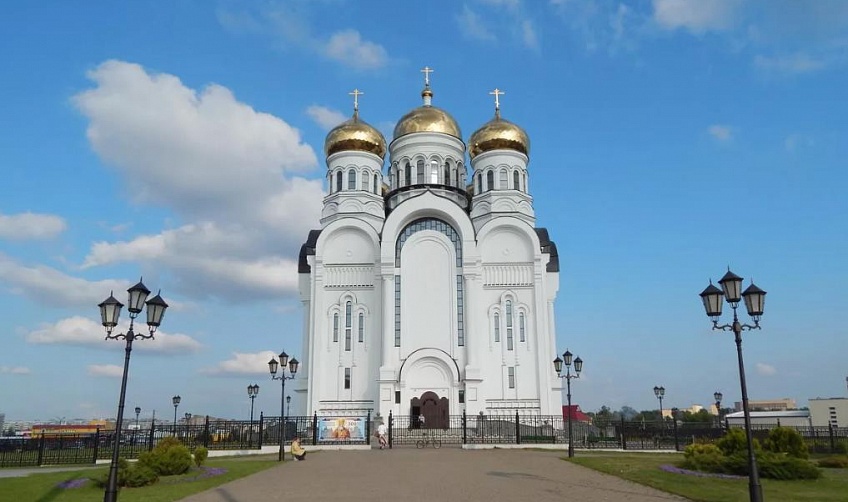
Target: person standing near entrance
{"points": [[383, 435], [421, 421], [297, 451]]}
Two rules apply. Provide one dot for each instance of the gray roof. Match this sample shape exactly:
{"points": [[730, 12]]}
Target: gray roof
{"points": [[772, 414]]}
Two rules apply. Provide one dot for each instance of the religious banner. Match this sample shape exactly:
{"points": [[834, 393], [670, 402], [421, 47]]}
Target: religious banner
{"points": [[341, 429]]}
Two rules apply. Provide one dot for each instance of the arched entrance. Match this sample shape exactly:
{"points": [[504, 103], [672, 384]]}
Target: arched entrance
{"points": [[435, 410]]}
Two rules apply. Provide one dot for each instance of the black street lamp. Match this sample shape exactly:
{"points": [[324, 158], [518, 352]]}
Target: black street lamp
{"points": [[578, 367], [660, 393], [252, 392], [110, 311], [717, 396], [176, 401], [755, 298], [292, 366], [137, 413], [288, 405]]}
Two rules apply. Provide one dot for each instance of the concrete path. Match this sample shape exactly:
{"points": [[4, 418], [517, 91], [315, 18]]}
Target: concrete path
{"points": [[26, 471], [428, 475]]}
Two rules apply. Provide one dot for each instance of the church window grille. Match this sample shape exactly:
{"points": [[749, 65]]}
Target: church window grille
{"points": [[376, 185], [515, 177], [490, 181], [479, 183], [509, 340], [361, 328], [419, 172], [338, 181], [348, 325], [502, 182], [511, 377], [449, 232], [408, 174], [521, 335], [335, 327], [497, 327], [447, 174], [347, 378], [365, 177], [434, 172]]}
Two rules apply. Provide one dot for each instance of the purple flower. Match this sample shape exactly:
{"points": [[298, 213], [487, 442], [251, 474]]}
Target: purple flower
{"points": [[678, 470], [72, 483]]}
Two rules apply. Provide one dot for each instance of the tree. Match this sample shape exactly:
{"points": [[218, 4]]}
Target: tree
{"points": [[628, 413]]}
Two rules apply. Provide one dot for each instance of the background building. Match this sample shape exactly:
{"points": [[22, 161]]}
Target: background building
{"points": [[791, 418], [768, 404], [829, 411]]}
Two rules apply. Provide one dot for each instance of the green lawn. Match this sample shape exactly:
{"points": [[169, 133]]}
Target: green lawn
{"points": [[643, 468], [43, 487]]}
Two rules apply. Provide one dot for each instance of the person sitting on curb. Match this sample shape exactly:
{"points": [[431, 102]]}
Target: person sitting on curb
{"points": [[297, 451]]}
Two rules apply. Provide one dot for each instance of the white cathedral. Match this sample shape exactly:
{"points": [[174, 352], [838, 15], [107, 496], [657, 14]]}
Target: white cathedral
{"points": [[427, 292]]}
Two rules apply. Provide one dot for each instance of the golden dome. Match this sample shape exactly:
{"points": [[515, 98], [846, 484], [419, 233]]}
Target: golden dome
{"points": [[498, 134], [427, 118], [354, 134]]}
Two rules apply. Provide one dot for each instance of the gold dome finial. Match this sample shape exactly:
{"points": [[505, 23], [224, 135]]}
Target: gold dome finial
{"points": [[355, 135], [427, 93], [427, 118], [497, 93], [355, 93], [498, 134]]}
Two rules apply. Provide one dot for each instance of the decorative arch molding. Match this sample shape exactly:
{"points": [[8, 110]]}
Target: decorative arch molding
{"points": [[515, 224], [430, 355], [341, 224]]}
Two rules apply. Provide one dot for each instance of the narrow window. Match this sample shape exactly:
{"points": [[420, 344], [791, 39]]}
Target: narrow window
{"points": [[408, 174], [521, 336], [434, 172], [335, 327], [365, 181], [361, 328], [502, 182], [479, 183], [508, 325], [497, 328], [348, 326], [490, 180], [524, 181], [351, 180], [420, 174], [460, 175], [447, 174], [347, 378], [376, 185], [338, 181], [515, 177], [461, 396], [511, 375], [397, 310], [397, 397]]}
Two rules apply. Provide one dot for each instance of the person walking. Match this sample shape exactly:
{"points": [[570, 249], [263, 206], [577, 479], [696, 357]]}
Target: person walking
{"points": [[383, 435]]}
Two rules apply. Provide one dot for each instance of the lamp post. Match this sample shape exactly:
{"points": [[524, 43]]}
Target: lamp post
{"points": [[717, 396], [660, 393], [135, 432], [110, 311], [188, 426], [578, 367], [176, 401], [731, 291], [252, 392], [288, 405], [292, 366]]}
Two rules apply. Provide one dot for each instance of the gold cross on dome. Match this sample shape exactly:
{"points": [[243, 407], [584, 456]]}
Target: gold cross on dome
{"points": [[355, 93], [497, 93], [427, 71]]}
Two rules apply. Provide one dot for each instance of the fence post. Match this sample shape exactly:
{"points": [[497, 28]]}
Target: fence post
{"points": [[41, 448], [832, 438], [96, 444], [391, 426], [151, 436], [676, 438], [260, 429], [314, 428], [464, 427], [621, 435], [206, 433], [368, 428], [517, 430]]}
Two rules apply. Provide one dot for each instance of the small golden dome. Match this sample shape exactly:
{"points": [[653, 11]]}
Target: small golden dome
{"points": [[498, 134], [355, 134]]}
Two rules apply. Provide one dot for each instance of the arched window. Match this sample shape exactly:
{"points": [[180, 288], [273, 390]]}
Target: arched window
{"points": [[420, 174], [361, 327], [351, 180], [365, 177], [515, 177], [408, 174], [490, 180], [504, 178], [479, 183], [338, 181], [497, 327], [524, 181], [434, 172], [521, 337], [508, 325], [447, 173], [460, 175], [376, 185], [336, 327], [348, 325]]}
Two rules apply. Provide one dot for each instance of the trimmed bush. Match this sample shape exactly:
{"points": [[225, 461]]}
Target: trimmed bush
{"points": [[735, 441], [838, 462], [200, 455], [842, 447], [784, 467], [788, 441], [130, 475], [168, 458], [703, 457]]}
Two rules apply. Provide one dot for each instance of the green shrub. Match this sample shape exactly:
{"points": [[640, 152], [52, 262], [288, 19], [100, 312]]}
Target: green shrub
{"points": [[842, 447], [703, 457], [784, 467], [200, 455], [131, 475], [168, 458], [837, 462], [788, 441], [735, 441]]}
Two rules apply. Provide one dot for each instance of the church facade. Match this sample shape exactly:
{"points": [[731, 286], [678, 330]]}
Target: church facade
{"points": [[428, 290]]}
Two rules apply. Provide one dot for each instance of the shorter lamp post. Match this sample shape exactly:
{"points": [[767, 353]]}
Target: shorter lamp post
{"points": [[252, 392], [288, 405], [135, 432], [717, 396], [292, 364], [176, 402], [188, 425], [660, 393], [578, 367], [755, 298]]}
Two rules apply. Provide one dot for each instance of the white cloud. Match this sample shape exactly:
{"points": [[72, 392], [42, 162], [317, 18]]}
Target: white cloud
{"points": [[246, 215], [697, 16], [722, 133], [15, 370], [25, 226], [795, 141], [325, 117], [528, 35], [509, 4], [105, 370], [795, 63], [348, 47], [82, 331], [766, 369], [243, 364], [473, 26]]}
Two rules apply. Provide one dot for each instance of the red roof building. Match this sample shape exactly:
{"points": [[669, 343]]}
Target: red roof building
{"points": [[576, 414]]}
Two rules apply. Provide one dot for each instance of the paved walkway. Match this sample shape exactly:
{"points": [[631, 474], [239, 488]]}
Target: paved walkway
{"points": [[446, 474]]}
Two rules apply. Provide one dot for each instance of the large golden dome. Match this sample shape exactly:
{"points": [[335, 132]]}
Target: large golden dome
{"points": [[498, 134], [355, 134], [427, 118]]}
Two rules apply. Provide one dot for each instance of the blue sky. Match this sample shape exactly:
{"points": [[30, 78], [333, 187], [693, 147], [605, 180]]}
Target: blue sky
{"points": [[183, 141]]}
